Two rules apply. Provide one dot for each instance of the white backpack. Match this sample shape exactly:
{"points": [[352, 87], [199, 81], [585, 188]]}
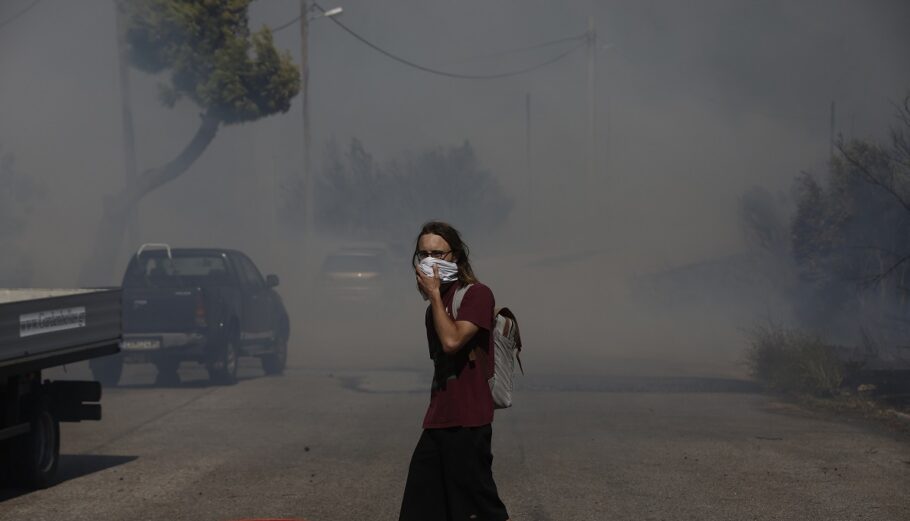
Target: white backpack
{"points": [[506, 350]]}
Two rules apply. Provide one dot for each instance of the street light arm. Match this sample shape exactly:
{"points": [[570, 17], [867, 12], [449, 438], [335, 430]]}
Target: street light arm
{"points": [[333, 12], [337, 11]]}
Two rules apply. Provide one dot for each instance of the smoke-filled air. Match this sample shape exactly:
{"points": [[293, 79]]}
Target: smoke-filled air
{"points": [[602, 193], [698, 213]]}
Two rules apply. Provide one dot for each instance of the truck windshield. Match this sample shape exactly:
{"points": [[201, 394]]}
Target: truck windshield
{"points": [[159, 271]]}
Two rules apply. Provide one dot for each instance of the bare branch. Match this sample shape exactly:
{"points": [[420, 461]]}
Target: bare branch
{"points": [[874, 248], [905, 112], [871, 178], [878, 278], [901, 146]]}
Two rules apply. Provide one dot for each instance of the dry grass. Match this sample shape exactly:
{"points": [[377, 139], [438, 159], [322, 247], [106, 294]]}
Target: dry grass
{"points": [[793, 361]]}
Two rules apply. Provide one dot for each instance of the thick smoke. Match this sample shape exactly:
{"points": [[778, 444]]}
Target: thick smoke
{"points": [[638, 267]]}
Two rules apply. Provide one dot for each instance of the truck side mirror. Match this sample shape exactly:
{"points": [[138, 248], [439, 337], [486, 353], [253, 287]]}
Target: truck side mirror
{"points": [[271, 280]]}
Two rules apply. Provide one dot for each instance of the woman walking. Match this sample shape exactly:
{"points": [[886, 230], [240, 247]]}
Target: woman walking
{"points": [[450, 476]]}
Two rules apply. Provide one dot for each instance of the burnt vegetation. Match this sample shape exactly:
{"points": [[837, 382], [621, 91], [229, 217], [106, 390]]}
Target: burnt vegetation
{"points": [[360, 197], [849, 251], [794, 361]]}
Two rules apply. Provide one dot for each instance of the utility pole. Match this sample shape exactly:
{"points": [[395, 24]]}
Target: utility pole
{"points": [[831, 133], [305, 182], [591, 185], [126, 115], [608, 124], [530, 173]]}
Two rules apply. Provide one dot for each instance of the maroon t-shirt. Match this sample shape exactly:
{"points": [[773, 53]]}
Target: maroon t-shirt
{"points": [[460, 395]]}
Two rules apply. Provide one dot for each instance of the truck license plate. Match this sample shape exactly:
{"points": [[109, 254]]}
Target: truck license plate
{"points": [[144, 344]]}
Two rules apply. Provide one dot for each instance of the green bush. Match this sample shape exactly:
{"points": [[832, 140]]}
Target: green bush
{"points": [[793, 361]]}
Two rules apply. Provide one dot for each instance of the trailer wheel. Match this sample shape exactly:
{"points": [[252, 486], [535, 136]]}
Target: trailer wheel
{"points": [[107, 369], [38, 452]]}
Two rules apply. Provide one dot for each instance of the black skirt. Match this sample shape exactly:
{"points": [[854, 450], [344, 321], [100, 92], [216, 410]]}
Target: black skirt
{"points": [[451, 478]]}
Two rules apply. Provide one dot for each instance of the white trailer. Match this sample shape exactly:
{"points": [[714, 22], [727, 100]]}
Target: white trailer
{"points": [[39, 329]]}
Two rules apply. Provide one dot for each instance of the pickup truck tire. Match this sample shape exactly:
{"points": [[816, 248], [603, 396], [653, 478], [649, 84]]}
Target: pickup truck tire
{"points": [[107, 369], [274, 363], [223, 367], [36, 455]]}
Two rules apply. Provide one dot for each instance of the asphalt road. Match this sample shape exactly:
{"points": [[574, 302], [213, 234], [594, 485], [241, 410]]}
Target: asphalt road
{"points": [[332, 445]]}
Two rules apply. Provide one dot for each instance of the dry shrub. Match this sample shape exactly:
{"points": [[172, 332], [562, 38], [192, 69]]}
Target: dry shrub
{"points": [[793, 361]]}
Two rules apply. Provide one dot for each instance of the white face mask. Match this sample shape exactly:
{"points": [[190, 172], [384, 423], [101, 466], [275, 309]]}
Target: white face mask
{"points": [[448, 271]]}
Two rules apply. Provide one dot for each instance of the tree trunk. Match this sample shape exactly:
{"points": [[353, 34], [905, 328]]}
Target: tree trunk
{"points": [[98, 270]]}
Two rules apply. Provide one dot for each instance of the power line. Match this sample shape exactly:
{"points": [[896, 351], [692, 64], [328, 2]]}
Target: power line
{"points": [[541, 45], [296, 19], [517, 50], [16, 16], [453, 74], [286, 24], [582, 39]]}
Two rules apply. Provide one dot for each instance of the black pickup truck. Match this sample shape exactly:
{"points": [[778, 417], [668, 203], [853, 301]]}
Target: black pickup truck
{"points": [[205, 305]]}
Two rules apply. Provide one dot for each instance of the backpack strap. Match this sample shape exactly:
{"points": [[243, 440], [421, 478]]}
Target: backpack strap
{"points": [[456, 304], [456, 300]]}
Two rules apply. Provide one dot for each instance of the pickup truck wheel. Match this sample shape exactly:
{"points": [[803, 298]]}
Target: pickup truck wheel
{"points": [[274, 363], [107, 369], [167, 372], [223, 369], [38, 452]]}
